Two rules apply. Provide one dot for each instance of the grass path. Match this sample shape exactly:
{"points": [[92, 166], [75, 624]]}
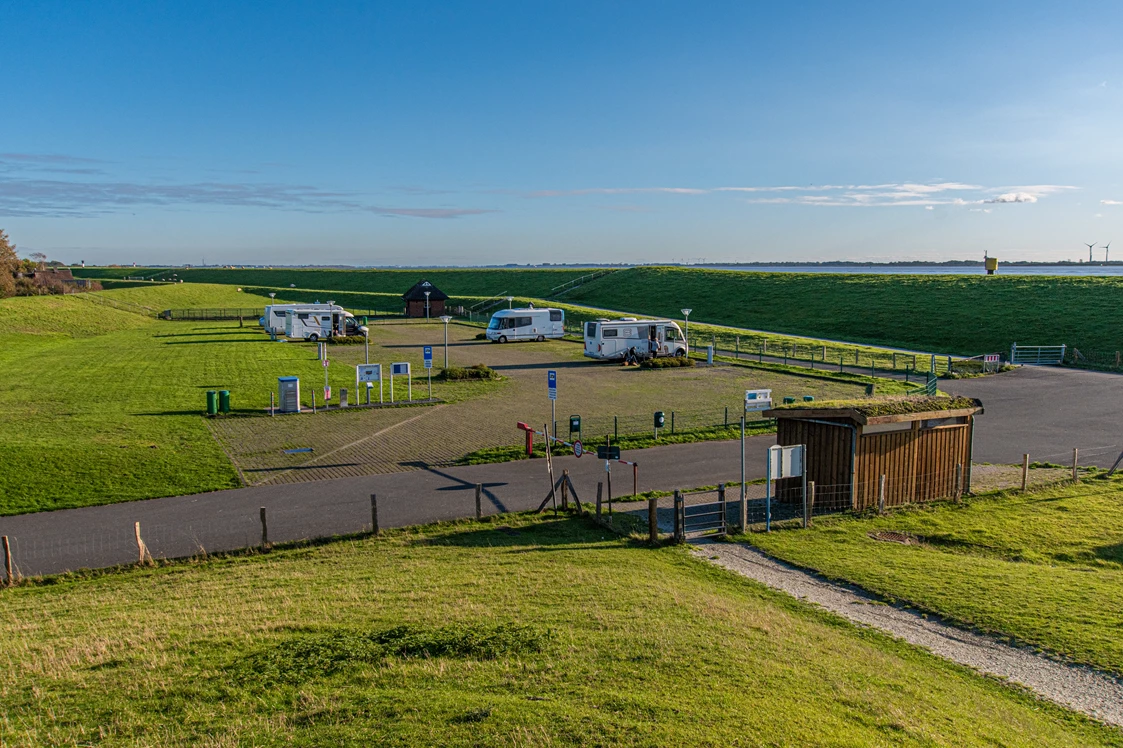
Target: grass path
{"points": [[539, 632]]}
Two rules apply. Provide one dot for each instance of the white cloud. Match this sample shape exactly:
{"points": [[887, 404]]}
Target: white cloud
{"points": [[928, 207], [1013, 197], [1111, 202]]}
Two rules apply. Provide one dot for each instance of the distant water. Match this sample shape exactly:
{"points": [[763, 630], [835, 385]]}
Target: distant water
{"points": [[929, 269]]}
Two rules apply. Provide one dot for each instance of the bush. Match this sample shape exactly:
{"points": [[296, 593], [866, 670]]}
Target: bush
{"points": [[666, 363], [346, 340], [481, 336], [479, 371]]}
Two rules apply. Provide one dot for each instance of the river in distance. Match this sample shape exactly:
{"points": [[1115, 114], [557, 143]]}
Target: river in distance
{"points": [[1089, 269]]}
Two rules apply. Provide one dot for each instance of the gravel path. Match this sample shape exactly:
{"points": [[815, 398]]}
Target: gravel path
{"points": [[1076, 687]]}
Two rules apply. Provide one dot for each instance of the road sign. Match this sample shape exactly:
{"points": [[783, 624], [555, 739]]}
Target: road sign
{"points": [[325, 363], [552, 383], [400, 369], [578, 449], [758, 399], [785, 462], [608, 453], [991, 358], [428, 356], [327, 394], [368, 373]]}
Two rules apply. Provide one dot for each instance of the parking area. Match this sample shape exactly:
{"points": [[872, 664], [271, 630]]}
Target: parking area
{"points": [[480, 415]]}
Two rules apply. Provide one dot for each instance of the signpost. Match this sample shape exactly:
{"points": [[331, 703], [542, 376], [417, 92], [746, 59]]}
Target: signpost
{"points": [[991, 360], [400, 369], [428, 352], [783, 462], [578, 448], [369, 373], [552, 390], [327, 389]]}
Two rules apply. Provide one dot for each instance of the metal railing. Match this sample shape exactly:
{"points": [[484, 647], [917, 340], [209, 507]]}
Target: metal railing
{"points": [[569, 285], [1037, 355]]}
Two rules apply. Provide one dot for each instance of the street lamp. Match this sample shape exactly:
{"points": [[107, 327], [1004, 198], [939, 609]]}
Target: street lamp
{"points": [[366, 344], [427, 305], [446, 319], [510, 300], [686, 315]]}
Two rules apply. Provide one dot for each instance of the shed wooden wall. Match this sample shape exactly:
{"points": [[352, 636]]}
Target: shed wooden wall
{"points": [[828, 460]]}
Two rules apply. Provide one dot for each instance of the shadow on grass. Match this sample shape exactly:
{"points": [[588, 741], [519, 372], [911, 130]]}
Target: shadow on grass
{"points": [[1110, 553], [201, 333], [566, 531]]}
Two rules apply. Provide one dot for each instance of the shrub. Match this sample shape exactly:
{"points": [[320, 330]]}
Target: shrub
{"points": [[666, 363], [346, 340], [481, 336], [479, 371]]}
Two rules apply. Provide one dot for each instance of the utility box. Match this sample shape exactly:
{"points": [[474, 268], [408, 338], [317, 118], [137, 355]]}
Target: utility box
{"points": [[343, 397], [288, 394]]}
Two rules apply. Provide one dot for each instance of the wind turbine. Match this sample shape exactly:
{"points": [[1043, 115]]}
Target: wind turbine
{"points": [[1089, 246], [1107, 251]]}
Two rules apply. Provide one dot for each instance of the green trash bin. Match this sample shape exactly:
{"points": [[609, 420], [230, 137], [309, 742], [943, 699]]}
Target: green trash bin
{"points": [[808, 398], [224, 401], [212, 403], [789, 400]]}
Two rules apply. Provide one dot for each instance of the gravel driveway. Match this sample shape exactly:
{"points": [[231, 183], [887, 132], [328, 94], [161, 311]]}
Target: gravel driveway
{"points": [[1079, 688]]}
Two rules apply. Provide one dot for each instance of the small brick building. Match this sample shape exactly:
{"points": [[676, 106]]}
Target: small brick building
{"points": [[415, 300]]}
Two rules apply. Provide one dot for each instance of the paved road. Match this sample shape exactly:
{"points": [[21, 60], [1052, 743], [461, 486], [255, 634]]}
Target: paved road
{"points": [[1046, 411], [90, 537]]}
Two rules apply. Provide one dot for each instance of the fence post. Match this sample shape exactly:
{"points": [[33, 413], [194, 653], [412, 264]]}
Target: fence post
{"points": [[653, 520], [881, 494], [374, 513], [141, 549], [721, 500], [1025, 471], [1075, 455], [738, 346], [958, 481], [479, 493], [600, 491], [635, 479], [810, 502], [615, 428], [564, 491], [264, 531], [1117, 359], [840, 362], [806, 513], [8, 562], [672, 423], [679, 530], [271, 403]]}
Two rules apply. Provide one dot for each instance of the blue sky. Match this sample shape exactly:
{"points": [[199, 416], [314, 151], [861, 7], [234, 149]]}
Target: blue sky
{"points": [[495, 132]]}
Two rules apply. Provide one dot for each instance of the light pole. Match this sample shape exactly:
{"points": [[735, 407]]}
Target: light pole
{"points": [[686, 316], [427, 305], [446, 319], [510, 301], [366, 346]]}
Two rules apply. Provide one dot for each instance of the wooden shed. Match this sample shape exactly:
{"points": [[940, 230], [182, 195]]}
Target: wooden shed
{"points": [[921, 446], [415, 300]]}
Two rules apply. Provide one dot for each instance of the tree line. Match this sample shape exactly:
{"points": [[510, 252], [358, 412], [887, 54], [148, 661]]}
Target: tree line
{"points": [[32, 276]]}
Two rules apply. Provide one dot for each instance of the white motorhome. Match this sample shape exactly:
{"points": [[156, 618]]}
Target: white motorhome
{"points": [[526, 324], [274, 318], [612, 339], [316, 321]]}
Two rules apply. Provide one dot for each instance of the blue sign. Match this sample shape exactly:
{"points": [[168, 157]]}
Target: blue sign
{"points": [[428, 357], [552, 383]]}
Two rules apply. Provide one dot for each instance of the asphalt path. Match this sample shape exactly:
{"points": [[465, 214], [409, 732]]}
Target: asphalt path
{"points": [[1046, 411], [100, 536]]}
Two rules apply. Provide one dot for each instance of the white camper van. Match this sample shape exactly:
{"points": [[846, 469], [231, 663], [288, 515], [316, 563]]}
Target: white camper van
{"points": [[274, 319], [320, 321], [612, 339], [526, 324]]}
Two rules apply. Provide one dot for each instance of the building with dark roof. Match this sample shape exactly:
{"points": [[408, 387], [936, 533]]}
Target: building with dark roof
{"points": [[420, 304]]}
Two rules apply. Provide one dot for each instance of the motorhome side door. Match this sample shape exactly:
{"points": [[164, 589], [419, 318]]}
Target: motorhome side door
{"points": [[661, 338]]}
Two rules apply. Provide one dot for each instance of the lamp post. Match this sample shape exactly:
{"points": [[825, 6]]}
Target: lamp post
{"points": [[427, 305], [446, 319], [686, 316], [366, 345], [510, 301]]}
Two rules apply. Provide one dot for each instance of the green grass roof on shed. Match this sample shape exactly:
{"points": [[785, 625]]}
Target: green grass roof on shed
{"points": [[888, 406]]}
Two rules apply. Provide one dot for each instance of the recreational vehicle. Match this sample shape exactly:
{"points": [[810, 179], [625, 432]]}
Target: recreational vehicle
{"points": [[274, 319], [317, 321], [612, 339], [526, 324]]}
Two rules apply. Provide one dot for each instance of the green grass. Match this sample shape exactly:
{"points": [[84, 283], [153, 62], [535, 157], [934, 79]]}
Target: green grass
{"points": [[523, 630], [954, 314], [1045, 568]]}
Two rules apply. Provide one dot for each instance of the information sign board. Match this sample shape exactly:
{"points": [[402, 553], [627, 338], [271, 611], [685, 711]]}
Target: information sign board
{"points": [[552, 383], [785, 462], [428, 356], [758, 399], [368, 373]]}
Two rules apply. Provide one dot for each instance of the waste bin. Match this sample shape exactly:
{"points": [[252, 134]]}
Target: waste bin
{"points": [[212, 402], [224, 401], [808, 398]]}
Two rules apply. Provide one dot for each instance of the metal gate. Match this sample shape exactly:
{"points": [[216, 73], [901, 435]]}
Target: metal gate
{"points": [[1037, 355], [708, 517]]}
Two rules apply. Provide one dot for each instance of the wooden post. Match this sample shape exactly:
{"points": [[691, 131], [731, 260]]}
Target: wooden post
{"points": [[600, 491], [806, 507], [374, 513], [143, 556], [1118, 356], [1075, 456], [264, 531], [1025, 471], [679, 531], [810, 502], [479, 506], [608, 487], [653, 520], [958, 481], [565, 491], [8, 562], [635, 479], [881, 494], [272, 406]]}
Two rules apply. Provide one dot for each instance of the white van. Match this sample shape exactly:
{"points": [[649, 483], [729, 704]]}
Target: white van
{"points": [[274, 319], [526, 324], [612, 339], [314, 322]]}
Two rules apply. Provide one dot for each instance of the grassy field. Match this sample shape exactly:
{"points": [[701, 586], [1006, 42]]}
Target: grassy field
{"points": [[481, 282], [956, 314], [520, 631], [1045, 568]]}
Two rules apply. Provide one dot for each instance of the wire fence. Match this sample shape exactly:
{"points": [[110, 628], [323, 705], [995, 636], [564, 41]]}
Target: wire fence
{"points": [[597, 427], [1094, 359], [827, 356]]}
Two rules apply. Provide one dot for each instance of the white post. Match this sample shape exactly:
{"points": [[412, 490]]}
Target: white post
{"points": [[744, 506], [768, 494], [686, 332]]}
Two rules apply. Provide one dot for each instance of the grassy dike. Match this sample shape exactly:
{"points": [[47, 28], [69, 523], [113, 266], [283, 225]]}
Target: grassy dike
{"points": [[523, 629]]}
